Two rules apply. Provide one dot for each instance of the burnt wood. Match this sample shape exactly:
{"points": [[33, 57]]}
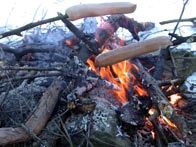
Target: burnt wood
{"points": [[157, 96]]}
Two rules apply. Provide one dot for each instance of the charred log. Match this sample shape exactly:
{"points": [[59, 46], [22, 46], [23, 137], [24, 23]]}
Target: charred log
{"points": [[157, 95]]}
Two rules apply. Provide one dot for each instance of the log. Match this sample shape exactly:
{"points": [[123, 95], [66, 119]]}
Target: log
{"points": [[132, 50], [37, 120]]}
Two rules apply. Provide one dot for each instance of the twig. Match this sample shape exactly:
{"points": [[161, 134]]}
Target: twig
{"points": [[172, 59], [65, 133], [193, 20], [31, 68], [5, 96], [160, 136], [170, 82], [182, 12], [29, 26], [31, 77]]}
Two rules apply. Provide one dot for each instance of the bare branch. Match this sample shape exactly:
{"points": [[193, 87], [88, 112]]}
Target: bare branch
{"points": [[193, 20], [29, 26]]}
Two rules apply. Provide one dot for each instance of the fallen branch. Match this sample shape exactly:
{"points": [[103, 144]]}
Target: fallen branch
{"points": [[37, 120], [193, 20]]}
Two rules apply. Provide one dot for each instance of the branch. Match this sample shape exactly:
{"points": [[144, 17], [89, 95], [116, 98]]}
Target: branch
{"points": [[193, 20], [182, 12], [157, 95], [29, 26], [37, 120]]}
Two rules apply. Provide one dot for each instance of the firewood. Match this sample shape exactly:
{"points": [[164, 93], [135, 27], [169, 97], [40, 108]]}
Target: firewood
{"points": [[37, 120], [158, 96]]}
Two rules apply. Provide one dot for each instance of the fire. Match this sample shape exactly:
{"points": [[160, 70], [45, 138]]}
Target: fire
{"points": [[174, 98], [153, 134], [169, 122], [120, 75]]}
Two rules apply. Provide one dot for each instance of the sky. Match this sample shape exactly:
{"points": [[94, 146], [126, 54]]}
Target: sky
{"points": [[20, 12]]}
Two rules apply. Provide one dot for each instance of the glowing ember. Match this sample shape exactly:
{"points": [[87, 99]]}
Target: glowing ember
{"points": [[174, 98], [91, 65], [169, 122], [153, 134], [151, 111]]}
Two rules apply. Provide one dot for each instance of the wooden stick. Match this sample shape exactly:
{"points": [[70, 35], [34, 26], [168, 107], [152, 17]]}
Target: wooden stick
{"points": [[37, 120], [91, 10], [77, 12], [132, 50], [193, 20]]}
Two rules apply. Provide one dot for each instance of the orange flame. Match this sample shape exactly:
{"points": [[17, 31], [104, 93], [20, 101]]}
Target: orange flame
{"points": [[174, 98], [121, 78], [153, 134], [169, 122], [120, 75]]}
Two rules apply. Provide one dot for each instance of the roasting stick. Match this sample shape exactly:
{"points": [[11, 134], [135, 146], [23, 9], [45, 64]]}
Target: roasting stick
{"points": [[92, 10], [132, 50], [77, 12]]}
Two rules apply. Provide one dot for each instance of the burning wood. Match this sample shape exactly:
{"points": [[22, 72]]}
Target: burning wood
{"points": [[121, 99], [163, 103]]}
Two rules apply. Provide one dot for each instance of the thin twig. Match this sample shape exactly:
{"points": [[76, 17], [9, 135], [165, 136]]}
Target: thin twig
{"points": [[29, 26], [171, 57], [31, 68], [31, 77], [180, 18], [193, 19], [67, 136]]}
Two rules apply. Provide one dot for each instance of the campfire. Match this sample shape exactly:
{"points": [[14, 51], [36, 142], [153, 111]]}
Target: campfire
{"points": [[93, 89]]}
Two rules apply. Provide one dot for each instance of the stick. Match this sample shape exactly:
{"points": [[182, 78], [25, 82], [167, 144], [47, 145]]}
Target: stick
{"points": [[37, 120], [193, 20], [77, 12]]}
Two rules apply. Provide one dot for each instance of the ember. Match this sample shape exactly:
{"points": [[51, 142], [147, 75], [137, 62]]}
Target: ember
{"points": [[174, 98]]}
